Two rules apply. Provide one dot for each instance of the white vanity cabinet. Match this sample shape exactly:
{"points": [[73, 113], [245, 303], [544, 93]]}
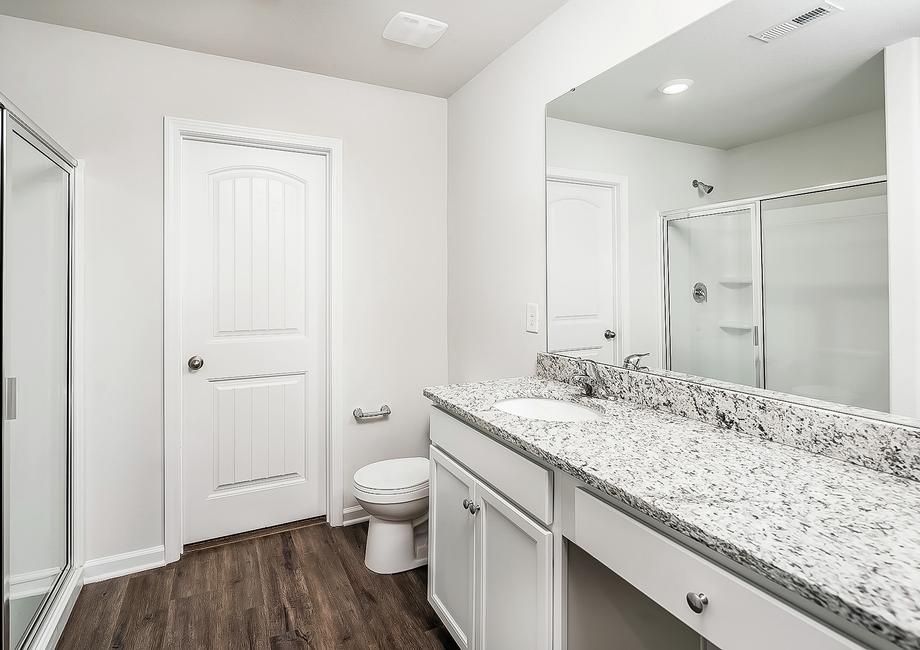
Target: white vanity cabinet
{"points": [[489, 561], [497, 572]]}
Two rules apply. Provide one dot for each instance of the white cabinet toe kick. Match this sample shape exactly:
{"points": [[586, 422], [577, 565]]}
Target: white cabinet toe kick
{"points": [[499, 531]]}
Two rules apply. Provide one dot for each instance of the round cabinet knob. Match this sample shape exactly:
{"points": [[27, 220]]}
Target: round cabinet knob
{"points": [[195, 363], [697, 602], [469, 505], [609, 334]]}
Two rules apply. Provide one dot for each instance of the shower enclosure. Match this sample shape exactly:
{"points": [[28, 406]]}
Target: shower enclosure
{"points": [[787, 292], [36, 209]]}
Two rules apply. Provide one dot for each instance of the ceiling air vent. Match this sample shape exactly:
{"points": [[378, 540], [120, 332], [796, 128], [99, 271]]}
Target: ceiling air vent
{"points": [[786, 27]]}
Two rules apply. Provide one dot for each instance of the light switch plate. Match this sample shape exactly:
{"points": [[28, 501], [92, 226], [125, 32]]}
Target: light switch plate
{"points": [[532, 318]]}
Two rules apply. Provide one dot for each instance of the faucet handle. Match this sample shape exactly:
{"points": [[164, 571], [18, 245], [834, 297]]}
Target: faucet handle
{"points": [[587, 382], [632, 361]]}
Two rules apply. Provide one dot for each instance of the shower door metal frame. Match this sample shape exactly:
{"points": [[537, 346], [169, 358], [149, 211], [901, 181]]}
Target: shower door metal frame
{"points": [[14, 122], [665, 218]]}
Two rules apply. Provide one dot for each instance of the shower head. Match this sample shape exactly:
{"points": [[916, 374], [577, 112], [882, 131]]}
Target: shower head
{"points": [[703, 187]]}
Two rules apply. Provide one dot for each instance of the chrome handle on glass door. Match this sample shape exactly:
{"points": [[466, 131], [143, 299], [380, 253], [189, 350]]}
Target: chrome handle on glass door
{"points": [[10, 397]]}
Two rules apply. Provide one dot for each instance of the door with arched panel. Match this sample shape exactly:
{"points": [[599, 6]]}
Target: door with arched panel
{"points": [[253, 318]]}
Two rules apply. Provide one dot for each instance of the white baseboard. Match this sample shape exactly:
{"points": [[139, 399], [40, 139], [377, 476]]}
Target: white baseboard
{"points": [[354, 515], [114, 566], [50, 632], [33, 583]]}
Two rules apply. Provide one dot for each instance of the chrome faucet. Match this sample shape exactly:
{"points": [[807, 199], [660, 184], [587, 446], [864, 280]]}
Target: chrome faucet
{"points": [[588, 378], [632, 361]]}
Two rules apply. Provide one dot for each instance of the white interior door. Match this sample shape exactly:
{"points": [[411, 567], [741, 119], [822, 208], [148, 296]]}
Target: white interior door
{"points": [[253, 309], [580, 269]]}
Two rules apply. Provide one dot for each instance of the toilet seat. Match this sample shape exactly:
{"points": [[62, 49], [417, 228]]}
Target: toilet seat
{"points": [[394, 494], [392, 481]]}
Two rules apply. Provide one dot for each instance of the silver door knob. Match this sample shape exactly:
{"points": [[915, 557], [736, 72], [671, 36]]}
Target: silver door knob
{"points": [[195, 363], [697, 602], [609, 334]]}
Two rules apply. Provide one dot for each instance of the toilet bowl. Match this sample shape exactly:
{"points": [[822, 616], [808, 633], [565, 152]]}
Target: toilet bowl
{"points": [[395, 495]]}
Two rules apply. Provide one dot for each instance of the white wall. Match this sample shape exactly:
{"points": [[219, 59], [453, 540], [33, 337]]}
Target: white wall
{"points": [[843, 150], [902, 89], [496, 193], [104, 99]]}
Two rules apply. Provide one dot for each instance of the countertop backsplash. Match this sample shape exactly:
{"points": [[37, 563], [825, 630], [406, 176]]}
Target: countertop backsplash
{"points": [[837, 431]]}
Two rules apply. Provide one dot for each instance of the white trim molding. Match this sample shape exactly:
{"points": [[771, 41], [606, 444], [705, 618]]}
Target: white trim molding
{"points": [[61, 608], [114, 566], [33, 583], [620, 186], [175, 131], [354, 515]]}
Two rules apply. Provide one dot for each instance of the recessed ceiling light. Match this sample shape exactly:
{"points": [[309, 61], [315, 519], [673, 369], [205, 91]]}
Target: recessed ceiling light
{"points": [[675, 86], [414, 30]]}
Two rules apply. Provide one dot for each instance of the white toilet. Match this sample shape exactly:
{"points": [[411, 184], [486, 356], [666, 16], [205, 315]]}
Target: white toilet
{"points": [[395, 495]]}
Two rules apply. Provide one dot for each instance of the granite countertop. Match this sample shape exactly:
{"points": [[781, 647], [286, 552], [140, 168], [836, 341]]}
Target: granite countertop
{"points": [[843, 537]]}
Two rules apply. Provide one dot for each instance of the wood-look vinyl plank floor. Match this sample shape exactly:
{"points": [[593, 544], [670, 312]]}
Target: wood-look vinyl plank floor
{"points": [[302, 587]]}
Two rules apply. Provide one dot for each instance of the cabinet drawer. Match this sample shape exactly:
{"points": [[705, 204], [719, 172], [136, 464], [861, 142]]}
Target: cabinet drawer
{"points": [[523, 481], [738, 614]]}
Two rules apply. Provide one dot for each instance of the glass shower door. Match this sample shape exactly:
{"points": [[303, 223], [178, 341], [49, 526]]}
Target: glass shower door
{"points": [[36, 418], [825, 295], [711, 304]]}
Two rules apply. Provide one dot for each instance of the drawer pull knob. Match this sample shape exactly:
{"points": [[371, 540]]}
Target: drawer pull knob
{"points": [[697, 602]]}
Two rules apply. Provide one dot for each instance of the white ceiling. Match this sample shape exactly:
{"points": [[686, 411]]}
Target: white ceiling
{"points": [[746, 91], [340, 38]]}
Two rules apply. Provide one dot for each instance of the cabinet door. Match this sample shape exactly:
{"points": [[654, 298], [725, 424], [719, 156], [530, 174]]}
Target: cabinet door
{"points": [[450, 547], [514, 576]]}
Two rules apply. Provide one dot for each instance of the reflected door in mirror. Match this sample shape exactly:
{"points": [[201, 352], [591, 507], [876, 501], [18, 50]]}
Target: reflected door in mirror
{"points": [[580, 270]]}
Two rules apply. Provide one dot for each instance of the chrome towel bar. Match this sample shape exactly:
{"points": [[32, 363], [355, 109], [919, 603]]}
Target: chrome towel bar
{"points": [[361, 415]]}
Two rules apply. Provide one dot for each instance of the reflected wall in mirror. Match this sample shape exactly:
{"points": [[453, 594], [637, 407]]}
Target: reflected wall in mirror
{"points": [[722, 201]]}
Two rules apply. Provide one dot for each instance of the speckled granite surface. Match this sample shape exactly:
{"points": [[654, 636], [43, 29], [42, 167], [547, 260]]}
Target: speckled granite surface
{"points": [[844, 537], [879, 441]]}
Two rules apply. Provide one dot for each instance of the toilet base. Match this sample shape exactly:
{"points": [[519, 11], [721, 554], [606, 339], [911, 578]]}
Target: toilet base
{"points": [[395, 546]]}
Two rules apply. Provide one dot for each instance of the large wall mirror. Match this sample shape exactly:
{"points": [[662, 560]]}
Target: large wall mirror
{"points": [[719, 203]]}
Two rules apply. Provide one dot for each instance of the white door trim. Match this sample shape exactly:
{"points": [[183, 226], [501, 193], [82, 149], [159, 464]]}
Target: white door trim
{"points": [[175, 131], [620, 185]]}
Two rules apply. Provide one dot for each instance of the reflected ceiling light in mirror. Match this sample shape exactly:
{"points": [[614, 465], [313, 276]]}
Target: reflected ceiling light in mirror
{"points": [[675, 86]]}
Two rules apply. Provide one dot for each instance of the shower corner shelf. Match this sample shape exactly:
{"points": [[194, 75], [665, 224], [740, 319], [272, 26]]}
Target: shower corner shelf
{"points": [[735, 281], [735, 326]]}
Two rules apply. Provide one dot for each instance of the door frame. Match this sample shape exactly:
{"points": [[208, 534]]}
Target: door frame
{"points": [[175, 131], [619, 184]]}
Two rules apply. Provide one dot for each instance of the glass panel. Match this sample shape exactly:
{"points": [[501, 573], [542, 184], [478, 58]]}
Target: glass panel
{"points": [[35, 352], [710, 296], [825, 268]]}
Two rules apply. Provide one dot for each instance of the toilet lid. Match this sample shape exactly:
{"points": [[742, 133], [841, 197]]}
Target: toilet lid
{"points": [[396, 475]]}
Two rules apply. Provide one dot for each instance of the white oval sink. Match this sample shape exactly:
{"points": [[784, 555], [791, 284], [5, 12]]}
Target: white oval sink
{"points": [[551, 410]]}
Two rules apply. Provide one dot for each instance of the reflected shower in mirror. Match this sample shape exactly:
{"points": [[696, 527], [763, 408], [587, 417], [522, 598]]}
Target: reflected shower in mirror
{"points": [[720, 201]]}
